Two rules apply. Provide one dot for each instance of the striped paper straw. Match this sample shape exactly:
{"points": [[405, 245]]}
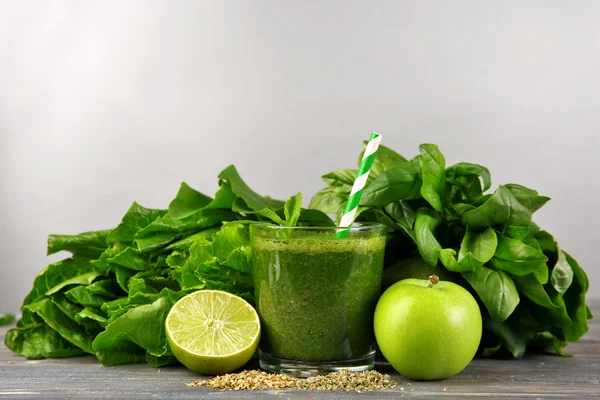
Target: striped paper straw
{"points": [[359, 184]]}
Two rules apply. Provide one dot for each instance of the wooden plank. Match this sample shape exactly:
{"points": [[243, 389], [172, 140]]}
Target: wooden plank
{"points": [[536, 376]]}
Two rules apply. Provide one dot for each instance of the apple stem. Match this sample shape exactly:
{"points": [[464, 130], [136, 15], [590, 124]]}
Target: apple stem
{"points": [[433, 280]]}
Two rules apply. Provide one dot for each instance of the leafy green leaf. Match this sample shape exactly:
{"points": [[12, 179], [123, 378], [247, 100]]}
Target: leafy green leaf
{"points": [[397, 183], [58, 321], [6, 318], [55, 277], [40, 341], [292, 209], [562, 273], [87, 244], [468, 169], [187, 202], [528, 197], [532, 289], [136, 219], [575, 301], [516, 257], [255, 201], [477, 248], [385, 158], [512, 340], [330, 199], [501, 208], [429, 247], [496, 289], [341, 178], [126, 328], [433, 174]]}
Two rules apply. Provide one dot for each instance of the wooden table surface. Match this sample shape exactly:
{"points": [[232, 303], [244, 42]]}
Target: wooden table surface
{"points": [[536, 376]]}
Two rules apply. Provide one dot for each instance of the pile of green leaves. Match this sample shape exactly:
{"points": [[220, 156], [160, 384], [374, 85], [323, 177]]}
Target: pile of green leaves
{"points": [[531, 292], [111, 298]]}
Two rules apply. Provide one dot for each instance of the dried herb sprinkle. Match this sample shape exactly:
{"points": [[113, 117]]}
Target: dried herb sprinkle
{"points": [[343, 380]]}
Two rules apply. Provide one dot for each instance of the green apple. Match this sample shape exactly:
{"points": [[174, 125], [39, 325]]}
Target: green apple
{"points": [[427, 329]]}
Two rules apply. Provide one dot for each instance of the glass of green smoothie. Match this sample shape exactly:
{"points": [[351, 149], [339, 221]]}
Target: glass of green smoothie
{"points": [[316, 295]]}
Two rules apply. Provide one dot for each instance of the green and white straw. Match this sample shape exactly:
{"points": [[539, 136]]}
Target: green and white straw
{"points": [[359, 184]]}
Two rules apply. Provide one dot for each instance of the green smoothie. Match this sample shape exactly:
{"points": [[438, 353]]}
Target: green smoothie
{"points": [[316, 295]]}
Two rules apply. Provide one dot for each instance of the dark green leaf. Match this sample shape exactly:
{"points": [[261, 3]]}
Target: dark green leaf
{"points": [[501, 208], [468, 169], [516, 257], [87, 244], [385, 158], [531, 288], [496, 289], [562, 274], [330, 199], [429, 247], [477, 248], [315, 217], [341, 178], [397, 183], [575, 302], [514, 342], [433, 174], [528, 197]]}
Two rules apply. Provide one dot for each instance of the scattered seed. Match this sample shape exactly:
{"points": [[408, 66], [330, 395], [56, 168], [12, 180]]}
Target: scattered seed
{"points": [[444, 389], [412, 390], [11, 362], [409, 383], [344, 380]]}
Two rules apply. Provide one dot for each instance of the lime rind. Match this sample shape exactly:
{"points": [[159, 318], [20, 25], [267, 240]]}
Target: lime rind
{"points": [[213, 323]]}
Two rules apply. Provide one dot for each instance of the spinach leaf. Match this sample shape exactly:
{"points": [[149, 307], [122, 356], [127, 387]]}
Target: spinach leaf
{"points": [[516, 257], [575, 302], [562, 273], [397, 183], [477, 248], [512, 340], [468, 169], [87, 244], [429, 247], [528, 197], [315, 217], [330, 199], [385, 158], [433, 174], [502, 208], [343, 178], [496, 289], [532, 289], [187, 202], [403, 215]]}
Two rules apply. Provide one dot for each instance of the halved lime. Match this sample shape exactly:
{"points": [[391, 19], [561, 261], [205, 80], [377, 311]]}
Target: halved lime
{"points": [[213, 332]]}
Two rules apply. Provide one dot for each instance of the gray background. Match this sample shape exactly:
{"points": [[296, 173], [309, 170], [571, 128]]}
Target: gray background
{"points": [[107, 102]]}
